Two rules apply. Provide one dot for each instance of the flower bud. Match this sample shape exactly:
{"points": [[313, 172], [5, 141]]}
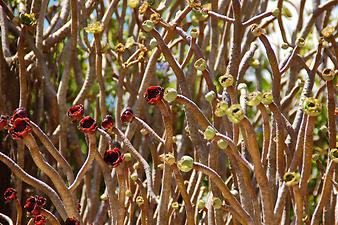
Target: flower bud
{"points": [[201, 204], [127, 157], [254, 98], [275, 12], [129, 193], [334, 155], [222, 144], [291, 178], [148, 25], [194, 32], [226, 80], [155, 18], [267, 98], [210, 96], [235, 113], [328, 74], [175, 205], [221, 109], [209, 133], [186, 163], [256, 30], [144, 131], [328, 31], [144, 7], [120, 48], [136, 166], [217, 203], [139, 200], [153, 43], [104, 197], [200, 64], [94, 28], [133, 3], [27, 19], [285, 45], [312, 106], [300, 42], [254, 63], [195, 4], [170, 94], [134, 176], [169, 159]]}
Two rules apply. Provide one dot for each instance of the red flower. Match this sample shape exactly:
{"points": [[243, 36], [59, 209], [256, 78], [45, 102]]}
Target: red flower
{"points": [[154, 94], [76, 112], [19, 113], [113, 157], [127, 116], [10, 194], [3, 122], [72, 221], [39, 220], [20, 128], [87, 125], [34, 204], [107, 123]]}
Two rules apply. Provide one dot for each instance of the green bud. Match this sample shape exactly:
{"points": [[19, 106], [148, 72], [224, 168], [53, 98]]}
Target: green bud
{"points": [[142, 36], [169, 159], [186, 163], [328, 31], [175, 205], [127, 157], [217, 203], [153, 43], [148, 25], [254, 63], [139, 200], [134, 176], [133, 3], [291, 178], [254, 98], [170, 94], [226, 80], [200, 64], [300, 42], [27, 18], [144, 131], [155, 17], [129, 193], [209, 133], [201, 204], [285, 45], [275, 12], [201, 15], [267, 98], [328, 74], [312, 106], [104, 197], [256, 30], [334, 155], [94, 28], [144, 7], [222, 144], [210, 96], [221, 109], [136, 166], [235, 113], [194, 32]]}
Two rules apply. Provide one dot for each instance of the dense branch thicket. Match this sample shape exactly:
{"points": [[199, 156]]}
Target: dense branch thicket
{"points": [[168, 112]]}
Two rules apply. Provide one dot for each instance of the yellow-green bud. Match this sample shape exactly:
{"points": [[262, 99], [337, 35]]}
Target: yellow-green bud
{"points": [[291, 178], [254, 63], [200, 64], [155, 17], [226, 80], [235, 113], [169, 159], [136, 166], [201, 204], [221, 109], [328, 31], [275, 12], [170, 94], [209, 133], [210, 96], [27, 19], [153, 43], [133, 3], [120, 48], [328, 74], [254, 98], [334, 155], [139, 200], [285, 45], [256, 30], [143, 8], [194, 32], [104, 197], [144, 131], [134, 176], [217, 203], [148, 25], [94, 28], [312, 106], [175, 205], [300, 42], [127, 157], [186, 163], [267, 98], [222, 144], [129, 193]]}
